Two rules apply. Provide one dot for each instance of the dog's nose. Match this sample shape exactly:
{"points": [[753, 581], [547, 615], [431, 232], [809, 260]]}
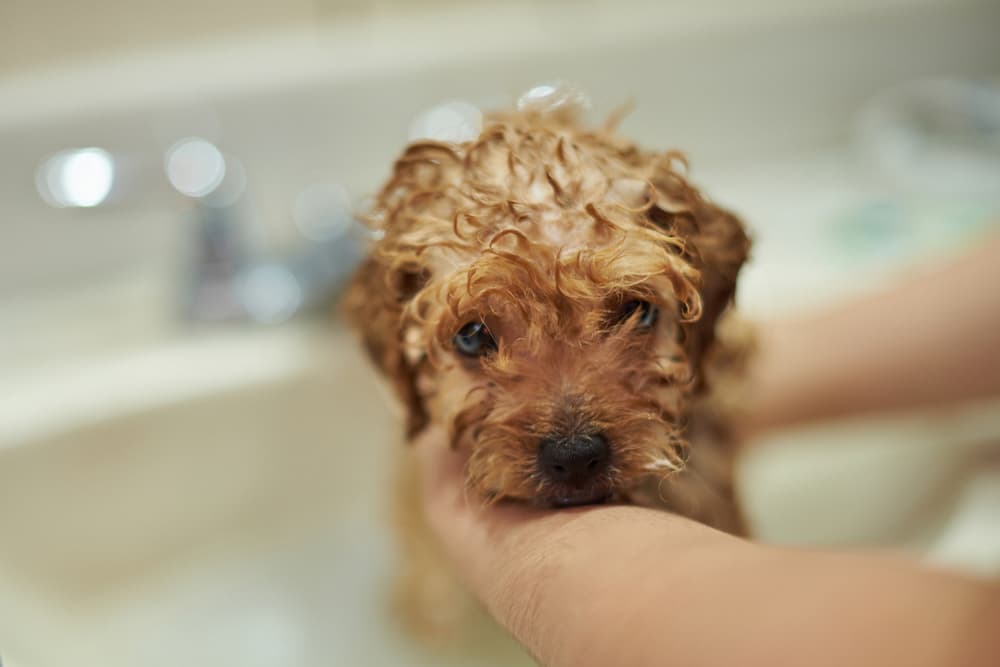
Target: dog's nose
{"points": [[574, 459]]}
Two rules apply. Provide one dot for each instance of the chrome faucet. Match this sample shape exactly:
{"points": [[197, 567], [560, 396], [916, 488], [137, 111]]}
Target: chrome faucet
{"points": [[229, 279]]}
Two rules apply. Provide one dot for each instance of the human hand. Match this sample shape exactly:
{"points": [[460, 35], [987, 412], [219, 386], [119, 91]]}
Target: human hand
{"points": [[553, 577], [617, 585]]}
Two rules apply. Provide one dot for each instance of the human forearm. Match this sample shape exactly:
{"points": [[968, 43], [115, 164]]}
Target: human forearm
{"points": [[632, 586], [933, 337], [690, 596]]}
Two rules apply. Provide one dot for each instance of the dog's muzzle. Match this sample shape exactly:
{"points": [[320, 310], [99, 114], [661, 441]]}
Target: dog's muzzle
{"points": [[576, 465]]}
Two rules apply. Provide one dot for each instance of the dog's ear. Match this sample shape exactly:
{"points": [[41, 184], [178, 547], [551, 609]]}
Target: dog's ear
{"points": [[373, 304], [715, 243], [717, 246]]}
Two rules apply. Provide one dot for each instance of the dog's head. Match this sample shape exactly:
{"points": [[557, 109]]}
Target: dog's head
{"points": [[546, 294]]}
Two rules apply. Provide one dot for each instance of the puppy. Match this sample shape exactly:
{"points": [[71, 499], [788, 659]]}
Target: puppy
{"points": [[551, 296]]}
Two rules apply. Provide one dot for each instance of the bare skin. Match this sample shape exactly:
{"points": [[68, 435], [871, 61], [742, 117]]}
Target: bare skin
{"points": [[932, 338], [631, 586]]}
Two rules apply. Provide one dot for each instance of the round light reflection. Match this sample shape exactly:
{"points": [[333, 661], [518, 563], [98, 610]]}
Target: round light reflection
{"points": [[195, 167], [81, 178], [453, 122], [271, 293]]}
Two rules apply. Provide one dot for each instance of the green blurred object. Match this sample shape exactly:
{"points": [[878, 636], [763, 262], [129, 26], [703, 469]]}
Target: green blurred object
{"points": [[910, 228]]}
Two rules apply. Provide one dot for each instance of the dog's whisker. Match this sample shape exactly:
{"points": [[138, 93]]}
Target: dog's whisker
{"points": [[663, 463], [659, 488]]}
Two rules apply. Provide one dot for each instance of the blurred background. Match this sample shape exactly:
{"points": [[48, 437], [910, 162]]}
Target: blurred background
{"points": [[193, 456]]}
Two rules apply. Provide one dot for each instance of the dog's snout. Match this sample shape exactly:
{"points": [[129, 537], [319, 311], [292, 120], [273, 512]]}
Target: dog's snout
{"points": [[574, 459]]}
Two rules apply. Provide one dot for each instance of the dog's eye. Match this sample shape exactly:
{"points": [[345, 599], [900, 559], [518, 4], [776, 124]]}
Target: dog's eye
{"points": [[474, 340], [644, 312]]}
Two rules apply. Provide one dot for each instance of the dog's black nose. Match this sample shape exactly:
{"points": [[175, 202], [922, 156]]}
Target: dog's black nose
{"points": [[575, 459]]}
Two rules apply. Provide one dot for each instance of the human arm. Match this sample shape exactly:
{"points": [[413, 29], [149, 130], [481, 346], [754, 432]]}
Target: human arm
{"points": [[632, 586], [932, 337]]}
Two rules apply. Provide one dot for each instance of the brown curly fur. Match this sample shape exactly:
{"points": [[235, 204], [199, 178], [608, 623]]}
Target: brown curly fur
{"points": [[542, 230]]}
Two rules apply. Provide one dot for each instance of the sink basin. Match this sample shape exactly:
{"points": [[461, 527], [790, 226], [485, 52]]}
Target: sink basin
{"points": [[240, 523]]}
